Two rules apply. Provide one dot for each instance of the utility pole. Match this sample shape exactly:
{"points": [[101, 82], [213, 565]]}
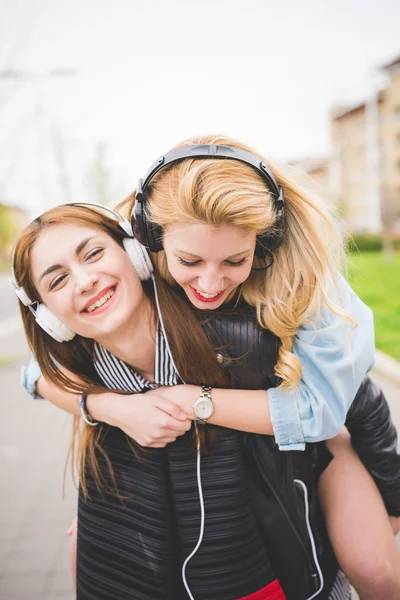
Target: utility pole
{"points": [[374, 159]]}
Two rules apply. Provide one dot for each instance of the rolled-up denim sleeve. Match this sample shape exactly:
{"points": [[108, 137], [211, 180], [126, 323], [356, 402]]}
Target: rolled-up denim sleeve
{"points": [[29, 376], [334, 361]]}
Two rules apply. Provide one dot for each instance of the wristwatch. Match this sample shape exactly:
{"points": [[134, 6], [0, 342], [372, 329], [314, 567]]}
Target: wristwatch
{"points": [[203, 407]]}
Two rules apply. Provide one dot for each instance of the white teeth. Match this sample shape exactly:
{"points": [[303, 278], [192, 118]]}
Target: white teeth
{"points": [[207, 295], [100, 301]]}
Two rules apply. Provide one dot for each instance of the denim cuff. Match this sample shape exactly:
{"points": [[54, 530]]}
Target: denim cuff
{"points": [[29, 377], [285, 419]]}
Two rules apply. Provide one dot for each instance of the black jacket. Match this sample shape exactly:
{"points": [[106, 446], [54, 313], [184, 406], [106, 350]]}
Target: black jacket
{"points": [[249, 356]]}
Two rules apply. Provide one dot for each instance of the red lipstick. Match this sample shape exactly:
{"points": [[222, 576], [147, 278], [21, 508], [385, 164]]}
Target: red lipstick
{"points": [[202, 299]]}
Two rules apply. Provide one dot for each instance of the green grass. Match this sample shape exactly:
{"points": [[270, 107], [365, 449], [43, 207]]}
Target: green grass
{"points": [[7, 361], [377, 281]]}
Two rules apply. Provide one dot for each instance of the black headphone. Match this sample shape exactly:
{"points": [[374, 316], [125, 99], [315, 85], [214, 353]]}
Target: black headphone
{"points": [[150, 234]]}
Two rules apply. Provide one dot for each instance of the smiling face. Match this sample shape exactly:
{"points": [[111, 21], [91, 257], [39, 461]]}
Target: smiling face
{"points": [[86, 279], [208, 262]]}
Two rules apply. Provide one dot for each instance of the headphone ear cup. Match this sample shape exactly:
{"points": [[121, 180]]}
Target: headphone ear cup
{"points": [[139, 258], [52, 324], [266, 244], [154, 236], [138, 219], [148, 234]]}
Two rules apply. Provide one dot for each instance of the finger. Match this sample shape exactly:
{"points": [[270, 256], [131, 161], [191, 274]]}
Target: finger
{"points": [[161, 443], [169, 424], [157, 442], [171, 408]]}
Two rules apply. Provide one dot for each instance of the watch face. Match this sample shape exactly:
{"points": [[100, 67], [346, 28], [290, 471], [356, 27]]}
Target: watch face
{"points": [[204, 409]]}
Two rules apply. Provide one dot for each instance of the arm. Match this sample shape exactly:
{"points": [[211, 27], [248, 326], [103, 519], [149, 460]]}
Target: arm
{"points": [[331, 377], [332, 373], [150, 421], [230, 409], [334, 361]]}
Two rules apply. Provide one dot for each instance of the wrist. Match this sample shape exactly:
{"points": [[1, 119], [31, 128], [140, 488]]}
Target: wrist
{"points": [[98, 406], [186, 397], [203, 407], [85, 415]]}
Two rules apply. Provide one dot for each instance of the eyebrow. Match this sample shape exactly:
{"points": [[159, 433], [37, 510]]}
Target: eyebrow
{"points": [[228, 258], [78, 250]]}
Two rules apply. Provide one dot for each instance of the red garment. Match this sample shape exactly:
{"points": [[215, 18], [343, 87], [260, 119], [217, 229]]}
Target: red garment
{"points": [[272, 591]]}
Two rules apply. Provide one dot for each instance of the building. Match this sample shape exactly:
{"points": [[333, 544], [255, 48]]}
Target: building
{"points": [[389, 145], [364, 171]]}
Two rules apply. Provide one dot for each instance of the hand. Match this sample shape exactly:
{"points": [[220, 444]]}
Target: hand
{"points": [[72, 530], [149, 419], [184, 395]]}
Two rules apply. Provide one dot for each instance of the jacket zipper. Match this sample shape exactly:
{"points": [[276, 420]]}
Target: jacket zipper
{"points": [[313, 574]]}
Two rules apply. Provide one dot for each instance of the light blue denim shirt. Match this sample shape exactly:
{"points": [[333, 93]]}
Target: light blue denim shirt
{"points": [[333, 366], [334, 362], [29, 377]]}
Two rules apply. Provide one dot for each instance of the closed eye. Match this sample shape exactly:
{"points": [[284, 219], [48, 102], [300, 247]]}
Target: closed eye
{"points": [[237, 263], [231, 263], [188, 263]]}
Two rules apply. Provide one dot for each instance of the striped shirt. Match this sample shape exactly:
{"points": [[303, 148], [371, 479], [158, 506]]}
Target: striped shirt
{"points": [[115, 373]]}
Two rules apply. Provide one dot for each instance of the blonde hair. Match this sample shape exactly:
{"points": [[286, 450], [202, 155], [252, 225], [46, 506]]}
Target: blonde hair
{"points": [[294, 289]]}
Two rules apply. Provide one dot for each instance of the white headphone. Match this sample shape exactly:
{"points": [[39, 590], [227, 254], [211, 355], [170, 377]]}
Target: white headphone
{"points": [[45, 318]]}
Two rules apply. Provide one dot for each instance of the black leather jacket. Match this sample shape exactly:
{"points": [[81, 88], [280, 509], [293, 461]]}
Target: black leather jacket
{"points": [[249, 354]]}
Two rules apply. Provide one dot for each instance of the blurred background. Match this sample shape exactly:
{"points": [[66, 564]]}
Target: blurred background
{"points": [[91, 92]]}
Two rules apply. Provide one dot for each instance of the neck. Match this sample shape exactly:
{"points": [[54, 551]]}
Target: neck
{"points": [[135, 342]]}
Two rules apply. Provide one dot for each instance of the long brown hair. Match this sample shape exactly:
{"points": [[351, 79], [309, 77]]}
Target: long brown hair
{"points": [[193, 353]]}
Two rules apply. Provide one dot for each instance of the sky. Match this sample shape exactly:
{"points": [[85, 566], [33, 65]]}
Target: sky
{"points": [[143, 75]]}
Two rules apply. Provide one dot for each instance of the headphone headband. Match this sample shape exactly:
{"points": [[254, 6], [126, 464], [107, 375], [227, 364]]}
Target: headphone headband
{"points": [[212, 151], [122, 222], [150, 234]]}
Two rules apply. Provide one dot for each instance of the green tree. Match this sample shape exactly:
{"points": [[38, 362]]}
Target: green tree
{"points": [[8, 230]]}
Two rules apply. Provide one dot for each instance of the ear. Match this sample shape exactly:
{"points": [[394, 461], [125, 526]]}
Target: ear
{"points": [[139, 257]]}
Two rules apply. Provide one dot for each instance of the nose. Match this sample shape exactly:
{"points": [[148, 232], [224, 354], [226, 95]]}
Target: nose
{"points": [[85, 280], [211, 280]]}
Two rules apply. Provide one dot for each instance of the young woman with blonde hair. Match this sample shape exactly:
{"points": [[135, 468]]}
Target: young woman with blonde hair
{"points": [[231, 410]]}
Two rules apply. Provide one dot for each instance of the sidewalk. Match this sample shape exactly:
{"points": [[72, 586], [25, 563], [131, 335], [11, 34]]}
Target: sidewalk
{"points": [[33, 517]]}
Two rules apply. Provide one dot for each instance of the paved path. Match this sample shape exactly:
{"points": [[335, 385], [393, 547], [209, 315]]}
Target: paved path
{"points": [[34, 438]]}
